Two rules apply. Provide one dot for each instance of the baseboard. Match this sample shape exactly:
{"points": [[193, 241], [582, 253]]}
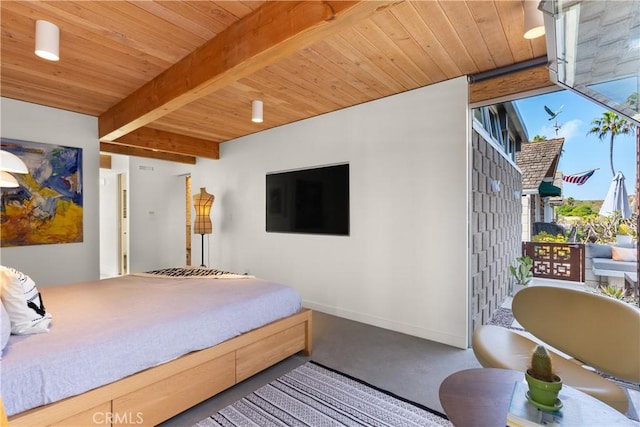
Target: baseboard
{"points": [[393, 325]]}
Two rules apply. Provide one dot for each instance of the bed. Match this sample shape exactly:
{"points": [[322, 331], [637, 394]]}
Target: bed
{"points": [[139, 349]]}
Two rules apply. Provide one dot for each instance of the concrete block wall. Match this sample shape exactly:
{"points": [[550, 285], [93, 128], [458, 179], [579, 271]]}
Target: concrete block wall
{"points": [[496, 228]]}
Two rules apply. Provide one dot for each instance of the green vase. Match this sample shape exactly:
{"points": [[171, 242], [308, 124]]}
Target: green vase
{"points": [[544, 392]]}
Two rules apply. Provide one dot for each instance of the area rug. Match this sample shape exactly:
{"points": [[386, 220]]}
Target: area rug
{"points": [[314, 395]]}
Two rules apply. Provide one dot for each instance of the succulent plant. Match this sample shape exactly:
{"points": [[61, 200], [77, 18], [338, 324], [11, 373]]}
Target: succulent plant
{"points": [[612, 291], [522, 271], [541, 367]]}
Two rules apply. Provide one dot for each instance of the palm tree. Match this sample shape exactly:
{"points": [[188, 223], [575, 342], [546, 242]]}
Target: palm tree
{"points": [[610, 124]]}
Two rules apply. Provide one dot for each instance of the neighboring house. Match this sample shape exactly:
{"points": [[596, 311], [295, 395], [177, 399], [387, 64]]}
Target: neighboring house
{"points": [[503, 125], [496, 183], [541, 186]]}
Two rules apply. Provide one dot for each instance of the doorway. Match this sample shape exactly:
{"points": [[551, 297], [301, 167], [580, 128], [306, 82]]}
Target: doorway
{"points": [[187, 202], [114, 223], [123, 224]]}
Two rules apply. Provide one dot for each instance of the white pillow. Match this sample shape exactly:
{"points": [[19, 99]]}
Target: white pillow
{"points": [[5, 327], [624, 254], [23, 303]]}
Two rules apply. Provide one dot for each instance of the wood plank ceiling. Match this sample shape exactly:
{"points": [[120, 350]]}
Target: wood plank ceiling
{"points": [[178, 77]]}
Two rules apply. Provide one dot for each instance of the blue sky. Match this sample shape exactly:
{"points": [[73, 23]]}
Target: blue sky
{"points": [[581, 152]]}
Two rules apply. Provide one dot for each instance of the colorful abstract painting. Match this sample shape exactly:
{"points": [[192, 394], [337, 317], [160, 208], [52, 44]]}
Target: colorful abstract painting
{"points": [[46, 208]]}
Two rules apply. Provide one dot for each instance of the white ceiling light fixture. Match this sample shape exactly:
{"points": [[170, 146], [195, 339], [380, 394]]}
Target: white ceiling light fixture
{"points": [[256, 111], [9, 162], [47, 40], [7, 180], [533, 20]]}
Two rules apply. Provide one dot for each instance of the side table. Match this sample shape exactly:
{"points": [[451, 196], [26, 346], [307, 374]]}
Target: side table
{"points": [[480, 397]]}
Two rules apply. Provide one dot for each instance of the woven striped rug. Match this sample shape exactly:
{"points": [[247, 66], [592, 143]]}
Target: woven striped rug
{"points": [[313, 395]]}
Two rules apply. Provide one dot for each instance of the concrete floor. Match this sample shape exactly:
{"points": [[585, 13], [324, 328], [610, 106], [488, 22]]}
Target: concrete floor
{"points": [[410, 367]]}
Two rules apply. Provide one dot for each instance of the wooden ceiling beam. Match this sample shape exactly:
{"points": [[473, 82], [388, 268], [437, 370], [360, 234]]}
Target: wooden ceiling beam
{"points": [[157, 140], [269, 34], [518, 82], [105, 161], [141, 152]]}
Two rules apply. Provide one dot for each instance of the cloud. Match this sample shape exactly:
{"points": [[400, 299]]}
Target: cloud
{"points": [[567, 130]]}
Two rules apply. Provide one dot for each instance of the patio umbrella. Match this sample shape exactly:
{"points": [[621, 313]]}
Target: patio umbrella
{"points": [[617, 199]]}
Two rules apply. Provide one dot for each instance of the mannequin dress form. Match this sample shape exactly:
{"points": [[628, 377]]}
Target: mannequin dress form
{"points": [[203, 202]]}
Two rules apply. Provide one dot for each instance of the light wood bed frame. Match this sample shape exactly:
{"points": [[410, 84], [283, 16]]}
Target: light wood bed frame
{"points": [[156, 394]]}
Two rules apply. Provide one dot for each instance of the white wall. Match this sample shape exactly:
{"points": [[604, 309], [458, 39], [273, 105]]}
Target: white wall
{"points": [[405, 264], [157, 214], [63, 263]]}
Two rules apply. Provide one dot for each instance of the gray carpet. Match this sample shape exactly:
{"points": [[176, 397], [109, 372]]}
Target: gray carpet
{"points": [[314, 395]]}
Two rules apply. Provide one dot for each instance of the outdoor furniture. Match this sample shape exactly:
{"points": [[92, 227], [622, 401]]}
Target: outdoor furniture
{"points": [[599, 258], [610, 268], [481, 397], [593, 330], [548, 227]]}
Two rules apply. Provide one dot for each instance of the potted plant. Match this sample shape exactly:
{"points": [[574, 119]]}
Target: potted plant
{"points": [[623, 237], [544, 384], [521, 273]]}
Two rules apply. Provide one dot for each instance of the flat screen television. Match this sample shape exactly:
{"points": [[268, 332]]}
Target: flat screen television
{"points": [[313, 201]]}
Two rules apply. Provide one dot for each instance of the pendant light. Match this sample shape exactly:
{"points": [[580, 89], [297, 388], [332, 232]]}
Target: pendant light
{"points": [[47, 40], [256, 111], [533, 20], [9, 162], [7, 180]]}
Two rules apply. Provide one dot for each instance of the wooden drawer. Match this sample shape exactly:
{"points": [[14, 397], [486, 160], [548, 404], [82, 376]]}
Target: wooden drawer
{"points": [[97, 416], [168, 397], [255, 357]]}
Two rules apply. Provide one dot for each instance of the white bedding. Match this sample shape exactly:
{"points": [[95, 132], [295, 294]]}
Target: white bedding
{"points": [[106, 330]]}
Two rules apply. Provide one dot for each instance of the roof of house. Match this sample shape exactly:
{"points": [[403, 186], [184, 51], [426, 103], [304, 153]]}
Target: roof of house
{"points": [[538, 160]]}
